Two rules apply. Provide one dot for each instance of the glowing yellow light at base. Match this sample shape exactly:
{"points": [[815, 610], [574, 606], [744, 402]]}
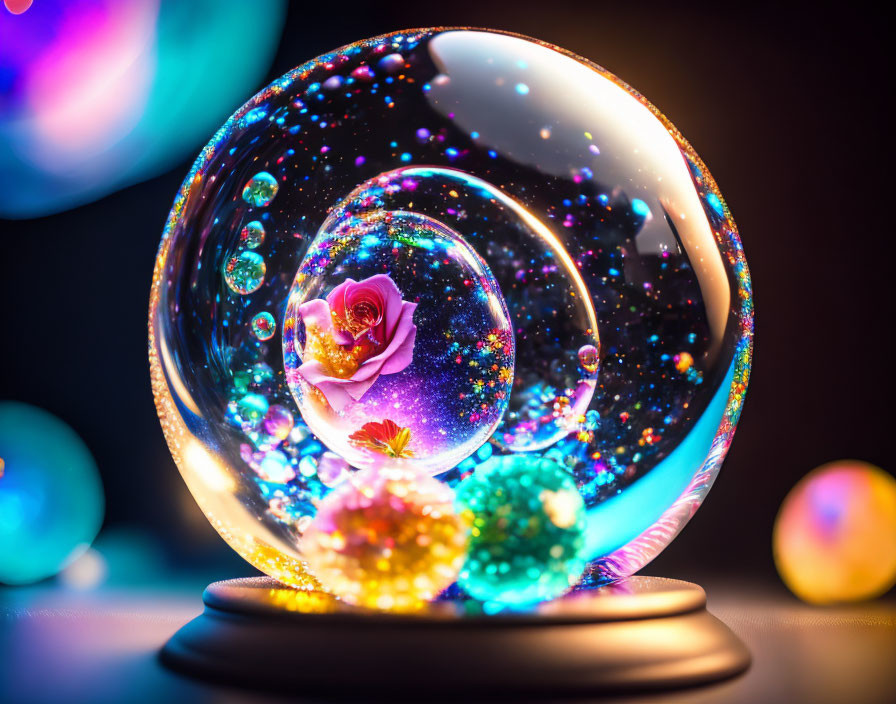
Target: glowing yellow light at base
{"points": [[387, 539]]}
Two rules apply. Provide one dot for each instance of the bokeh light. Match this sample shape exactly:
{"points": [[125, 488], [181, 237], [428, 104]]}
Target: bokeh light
{"points": [[98, 94], [87, 572], [835, 534], [121, 556], [51, 497]]}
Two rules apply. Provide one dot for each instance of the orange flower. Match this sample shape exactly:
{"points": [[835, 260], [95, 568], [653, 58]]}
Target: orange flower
{"points": [[387, 438]]}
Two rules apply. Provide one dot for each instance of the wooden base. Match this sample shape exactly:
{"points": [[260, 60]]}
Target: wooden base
{"points": [[644, 633]]}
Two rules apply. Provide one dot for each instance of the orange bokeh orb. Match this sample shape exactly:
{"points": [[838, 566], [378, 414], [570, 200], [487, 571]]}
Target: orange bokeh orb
{"points": [[835, 535]]}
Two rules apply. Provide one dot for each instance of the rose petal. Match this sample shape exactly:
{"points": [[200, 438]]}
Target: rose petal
{"points": [[316, 313], [405, 328], [365, 294], [342, 337], [405, 335], [356, 389], [336, 391], [340, 392], [391, 297], [336, 297], [397, 326], [369, 300]]}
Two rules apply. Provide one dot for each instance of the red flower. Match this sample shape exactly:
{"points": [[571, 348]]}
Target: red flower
{"points": [[387, 438]]}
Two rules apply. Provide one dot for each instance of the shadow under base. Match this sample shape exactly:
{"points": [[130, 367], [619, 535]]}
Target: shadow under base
{"points": [[644, 633]]}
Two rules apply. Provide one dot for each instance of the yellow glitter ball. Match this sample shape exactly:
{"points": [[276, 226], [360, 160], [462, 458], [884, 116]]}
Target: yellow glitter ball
{"points": [[388, 538]]}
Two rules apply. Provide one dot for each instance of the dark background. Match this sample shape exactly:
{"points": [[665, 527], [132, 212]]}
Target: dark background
{"points": [[787, 106]]}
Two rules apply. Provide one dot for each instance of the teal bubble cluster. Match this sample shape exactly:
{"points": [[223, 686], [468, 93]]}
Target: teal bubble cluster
{"points": [[527, 536], [260, 189], [252, 235], [244, 272]]}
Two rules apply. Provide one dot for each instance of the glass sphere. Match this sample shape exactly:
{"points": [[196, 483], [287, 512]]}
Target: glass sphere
{"points": [[51, 496], [472, 244], [427, 347]]}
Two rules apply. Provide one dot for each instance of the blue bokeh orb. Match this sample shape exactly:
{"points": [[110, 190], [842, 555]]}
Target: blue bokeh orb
{"points": [[51, 496]]}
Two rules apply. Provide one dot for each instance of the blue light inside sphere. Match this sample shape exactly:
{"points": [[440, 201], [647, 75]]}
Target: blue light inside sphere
{"points": [[51, 496]]}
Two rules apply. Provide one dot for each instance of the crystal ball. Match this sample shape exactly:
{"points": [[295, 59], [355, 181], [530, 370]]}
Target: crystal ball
{"points": [[835, 534], [436, 249]]}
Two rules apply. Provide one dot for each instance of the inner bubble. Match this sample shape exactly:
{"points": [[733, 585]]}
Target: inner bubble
{"points": [[260, 189], [252, 235], [551, 311], [397, 341], [244, 272]]}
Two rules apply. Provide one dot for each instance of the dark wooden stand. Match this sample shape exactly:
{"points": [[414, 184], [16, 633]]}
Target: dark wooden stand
{"points": [[645, 633]]}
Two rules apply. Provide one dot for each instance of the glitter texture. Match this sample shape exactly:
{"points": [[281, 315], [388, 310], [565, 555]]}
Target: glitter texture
{"points": [[528, 530], [387, 539]]}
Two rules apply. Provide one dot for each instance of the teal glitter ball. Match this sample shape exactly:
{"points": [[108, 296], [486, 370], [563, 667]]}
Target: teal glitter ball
{"points": [[527, 523]]}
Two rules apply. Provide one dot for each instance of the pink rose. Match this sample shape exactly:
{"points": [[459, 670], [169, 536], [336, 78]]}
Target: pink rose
{"points": [[362, 329]]}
